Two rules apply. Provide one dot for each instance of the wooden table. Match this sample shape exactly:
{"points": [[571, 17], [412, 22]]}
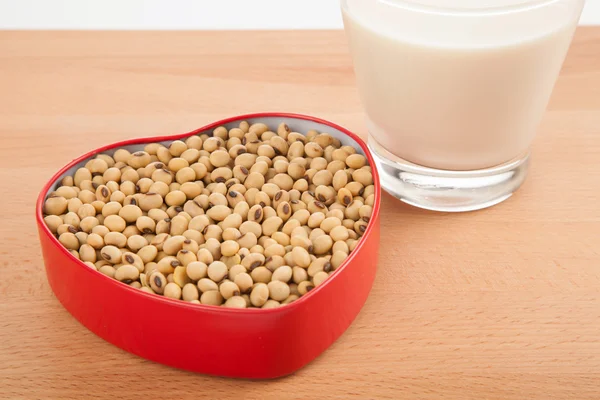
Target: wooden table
{"points": [[498, 304]]}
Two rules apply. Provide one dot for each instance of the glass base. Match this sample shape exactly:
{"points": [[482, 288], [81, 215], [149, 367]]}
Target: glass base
{"points": [[444, 190]]}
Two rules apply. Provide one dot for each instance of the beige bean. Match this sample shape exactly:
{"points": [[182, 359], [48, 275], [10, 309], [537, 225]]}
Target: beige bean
{"points": [[253, 260], [172, 290], [235, 302], [196, 236], [147, 253], [340, 246], [301, 257], [217, 271], [219, 212], [172, 244], [167, 264], [254, 180], [360, 227], [259, 295], [269, 212], [301, 231], [356, 188], [107, 270], [243, 281], [174, 198], [96, 241], [53, 222], [82, 174], [271, 225], [100, 230], [213, 232], [356, 161], [302, 216], [74, 204], [322, 177], [197, 270], [189, 292], [319, 278], [362, 176], [185, 257], [283, 181], [329, 223], [316, 206], [234, 270], [283, 130], [338, 258], [175, 226], [352, 211], [284, 210], [211, 297], [299, 274], [278, 290], [262, 199], [157, 282], [55, 205], [283, 274], [145, 224], [207, 285], [205, 256], [365, 211], [199, 223], [88, 223], [336, 213], [68, 192], [231, 234], [255, 213], [70, 218], [318, 265], [126, 273], [339, 233], [133, 259], [261, 274], [301, 241], [69, 240], [289, 226], [305, 287], [111, 254], [274, 250], [115, 239], [180, 276], [281, 238], [322, 244], [290, 299], [229, 248], [150, 200], [229, 289], [248, 239], [300, 185], [271, 304], [232, 221]]}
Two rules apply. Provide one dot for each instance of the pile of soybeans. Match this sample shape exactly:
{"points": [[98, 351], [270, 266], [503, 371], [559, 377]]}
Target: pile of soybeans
{"points": [[245, 217]]}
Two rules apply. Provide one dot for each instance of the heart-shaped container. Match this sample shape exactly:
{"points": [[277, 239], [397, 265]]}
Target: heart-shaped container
{"points": [[244, 343]]}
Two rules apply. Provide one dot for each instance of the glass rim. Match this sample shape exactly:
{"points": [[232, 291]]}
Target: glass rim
{"points": [[415, 6]]}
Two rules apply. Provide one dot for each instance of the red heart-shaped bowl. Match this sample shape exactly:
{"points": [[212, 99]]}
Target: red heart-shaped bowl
{"points": [[245, 343]]}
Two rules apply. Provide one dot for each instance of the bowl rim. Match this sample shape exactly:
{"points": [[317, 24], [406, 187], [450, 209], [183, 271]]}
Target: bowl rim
{"points": [[204, 307]]}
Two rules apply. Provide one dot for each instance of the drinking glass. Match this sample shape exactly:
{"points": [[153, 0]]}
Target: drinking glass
{"points": [[454, 91]]}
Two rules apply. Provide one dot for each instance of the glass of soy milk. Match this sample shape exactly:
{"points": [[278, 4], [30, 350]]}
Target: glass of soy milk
{"points": [[454, 91]]}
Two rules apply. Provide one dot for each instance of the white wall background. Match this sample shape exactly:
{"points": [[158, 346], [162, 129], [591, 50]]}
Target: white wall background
{"points": [[186, 14]]}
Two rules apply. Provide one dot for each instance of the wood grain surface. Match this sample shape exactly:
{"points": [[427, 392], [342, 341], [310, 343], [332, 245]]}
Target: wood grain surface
{"points": [[502, 303]]}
